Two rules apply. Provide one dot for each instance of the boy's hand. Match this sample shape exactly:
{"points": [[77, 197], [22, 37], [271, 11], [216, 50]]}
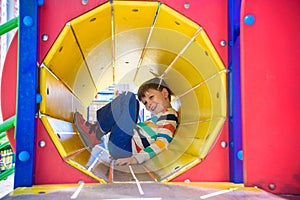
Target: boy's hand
{"points": [[126, 161]]}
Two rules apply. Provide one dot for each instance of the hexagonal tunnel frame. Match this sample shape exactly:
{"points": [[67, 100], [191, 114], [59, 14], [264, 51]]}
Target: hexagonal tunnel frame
{"points": [[128, 43]]}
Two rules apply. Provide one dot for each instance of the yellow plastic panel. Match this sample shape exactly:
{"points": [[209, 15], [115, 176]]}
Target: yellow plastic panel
{"points": [[181, 144], [84, 160], [182, 76], [218, 92], [190, 111], [163, 39], [64, 58], [204, 41], [205, 130], [170, 163], [86, 171], [84, 86], [132, 15], [53, 94], [66, 62], [211, 136], [170, 19], [128, 51], [186, 130], [202, 60], [93, 34], [64, 136], [92, 28]]}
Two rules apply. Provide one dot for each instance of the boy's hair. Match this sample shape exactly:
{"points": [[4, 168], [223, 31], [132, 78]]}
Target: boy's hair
{"points": [[156, 84]]}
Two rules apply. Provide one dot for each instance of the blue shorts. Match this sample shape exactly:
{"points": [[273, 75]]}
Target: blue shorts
{"points": [[119, 117]]}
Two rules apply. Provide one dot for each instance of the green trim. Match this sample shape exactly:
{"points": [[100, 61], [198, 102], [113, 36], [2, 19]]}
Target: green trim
{"points": [[9, 25], [6, 173], [150, 151], [4, 145], [148, 129], [7, 124], [2, 135]]}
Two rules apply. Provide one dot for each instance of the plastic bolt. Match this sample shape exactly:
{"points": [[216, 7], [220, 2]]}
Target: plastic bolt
{"points": [[24, 156], [249, 20], [38, 98], [28, 21], [240, 154]]}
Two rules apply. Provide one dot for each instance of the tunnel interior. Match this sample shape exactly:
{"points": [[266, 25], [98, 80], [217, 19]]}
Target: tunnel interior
{"points": [[129, 42]]}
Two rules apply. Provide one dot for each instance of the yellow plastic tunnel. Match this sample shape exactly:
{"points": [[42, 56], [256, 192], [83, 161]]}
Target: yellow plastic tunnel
{"points": [[128, 43]]}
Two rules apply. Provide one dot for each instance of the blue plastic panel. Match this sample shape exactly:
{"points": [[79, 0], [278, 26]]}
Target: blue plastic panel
{"points": [[26, 94]]}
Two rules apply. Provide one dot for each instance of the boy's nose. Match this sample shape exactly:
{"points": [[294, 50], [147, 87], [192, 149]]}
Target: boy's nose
{"points": [[149, 105]]}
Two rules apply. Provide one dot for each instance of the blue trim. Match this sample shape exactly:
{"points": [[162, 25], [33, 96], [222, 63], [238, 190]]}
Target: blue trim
{"points": [[162, 135], [234, 93], [26, 94]]}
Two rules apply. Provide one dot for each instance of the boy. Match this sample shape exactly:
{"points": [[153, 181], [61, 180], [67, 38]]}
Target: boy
{"points": [[131, 142]]}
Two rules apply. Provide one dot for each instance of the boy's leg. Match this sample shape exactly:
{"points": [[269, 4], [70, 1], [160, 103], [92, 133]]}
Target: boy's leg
{"points": [[89, 133], [110, 113], [119, 144], [108, 118]]}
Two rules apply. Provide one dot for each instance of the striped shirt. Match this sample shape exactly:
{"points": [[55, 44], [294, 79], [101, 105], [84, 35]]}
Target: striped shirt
{"points": [[153, 136]]}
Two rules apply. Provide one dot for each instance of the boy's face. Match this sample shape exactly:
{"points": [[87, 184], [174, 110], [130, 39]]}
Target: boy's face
{"points": [[156, 101]]}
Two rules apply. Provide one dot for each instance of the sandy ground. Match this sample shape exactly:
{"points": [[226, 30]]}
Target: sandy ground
{"points": [[6, 186]]}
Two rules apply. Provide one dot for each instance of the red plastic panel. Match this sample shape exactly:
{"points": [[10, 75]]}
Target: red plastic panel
{"points": [[8, 87], [270, 100]]}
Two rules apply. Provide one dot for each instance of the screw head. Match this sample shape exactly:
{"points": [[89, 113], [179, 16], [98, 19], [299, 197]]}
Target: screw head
{"points": [[186, 5], [45, 37], [223, 43], [272, 186], [42, 143], [224, 144]]}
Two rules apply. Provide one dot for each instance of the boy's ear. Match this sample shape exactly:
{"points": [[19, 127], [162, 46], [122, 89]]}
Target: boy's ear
{"points": [[165, 92]]}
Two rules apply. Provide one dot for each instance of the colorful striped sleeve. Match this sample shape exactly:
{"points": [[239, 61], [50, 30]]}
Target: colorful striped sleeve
{"points": [[166, 127]]}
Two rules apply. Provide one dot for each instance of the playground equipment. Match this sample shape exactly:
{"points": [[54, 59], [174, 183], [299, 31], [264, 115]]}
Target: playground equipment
{"points": [[138, 40]]}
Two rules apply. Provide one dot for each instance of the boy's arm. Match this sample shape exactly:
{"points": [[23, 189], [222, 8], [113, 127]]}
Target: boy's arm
{"points": [[167, 125], [126, 161]]}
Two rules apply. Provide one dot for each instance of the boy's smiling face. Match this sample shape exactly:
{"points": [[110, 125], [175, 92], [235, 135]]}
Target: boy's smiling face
{"points": [[156, 101]]}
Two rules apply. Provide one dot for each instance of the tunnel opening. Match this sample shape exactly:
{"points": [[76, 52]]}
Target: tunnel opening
{"points": [[127, 43]]}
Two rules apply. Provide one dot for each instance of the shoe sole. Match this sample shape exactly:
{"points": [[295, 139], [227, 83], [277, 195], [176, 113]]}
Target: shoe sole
{"points": [[84, 138]]}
